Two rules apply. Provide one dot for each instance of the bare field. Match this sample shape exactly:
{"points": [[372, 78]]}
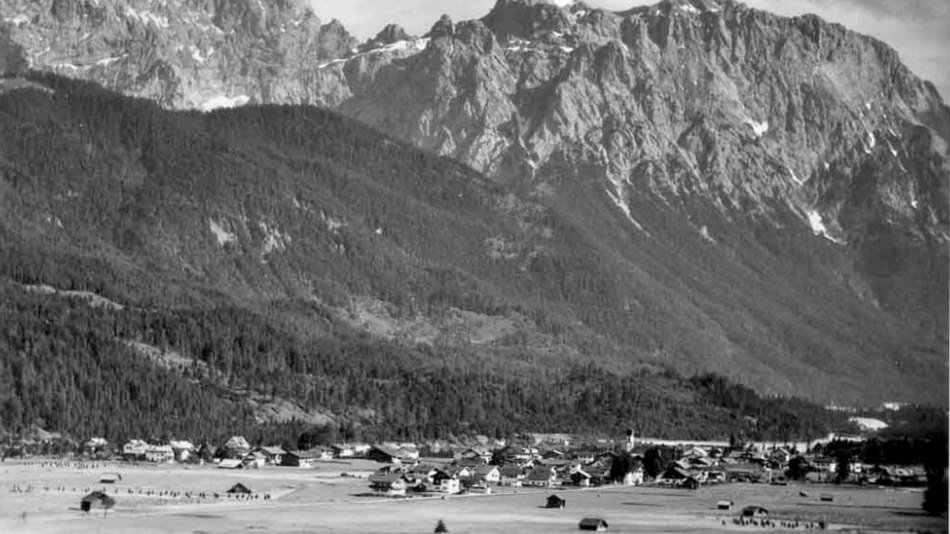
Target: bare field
{"points": [[37, 498]]}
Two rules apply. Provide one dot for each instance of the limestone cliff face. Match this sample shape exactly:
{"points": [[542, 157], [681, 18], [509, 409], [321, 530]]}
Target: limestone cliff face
{"points": [[755, 113], [656, 131], [181, 53]]}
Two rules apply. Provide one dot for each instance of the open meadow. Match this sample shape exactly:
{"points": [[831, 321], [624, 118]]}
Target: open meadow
{"points": [[44, 497]]}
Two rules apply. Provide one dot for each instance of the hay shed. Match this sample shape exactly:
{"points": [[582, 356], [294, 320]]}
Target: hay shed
{"points": [[96, 500], [755, 511], [240, 488], [110, 478], [593, 523], [555, 502]]}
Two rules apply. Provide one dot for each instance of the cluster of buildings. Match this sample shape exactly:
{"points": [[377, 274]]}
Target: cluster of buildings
{"points": [[479, 468]]}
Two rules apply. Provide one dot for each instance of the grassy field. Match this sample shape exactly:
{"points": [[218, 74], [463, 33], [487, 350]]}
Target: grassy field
{"points": [[44, 498]]}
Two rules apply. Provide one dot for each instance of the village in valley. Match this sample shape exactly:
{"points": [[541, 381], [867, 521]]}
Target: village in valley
{"points": [[720, 484]]}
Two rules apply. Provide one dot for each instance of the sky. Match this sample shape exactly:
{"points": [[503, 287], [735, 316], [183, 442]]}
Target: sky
{"points": [[918, 29]]}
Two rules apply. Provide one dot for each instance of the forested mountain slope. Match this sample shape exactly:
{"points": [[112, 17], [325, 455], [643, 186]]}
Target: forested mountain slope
{"points": [[199, 274]]}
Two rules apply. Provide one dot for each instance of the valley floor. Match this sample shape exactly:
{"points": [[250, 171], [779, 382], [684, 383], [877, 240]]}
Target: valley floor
{"points": [[45, 499]]}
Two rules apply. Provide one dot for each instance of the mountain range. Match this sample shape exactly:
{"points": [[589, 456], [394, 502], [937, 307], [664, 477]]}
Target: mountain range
{"points": [[694, 186]]}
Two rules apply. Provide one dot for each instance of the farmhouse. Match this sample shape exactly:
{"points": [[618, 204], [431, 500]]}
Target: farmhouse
{"points": [[480, 454], [134, 450], [421, 474], [237, 447], [231, 463], [580, 478], [254, 460], [182, 449], [634, 477], [490, 473], [384, 454], [159, 454], [207, 452], [273, 454], [540, 476], [95, 446], [387, 483], [510, 475], [94, 500], [306, 458], [450, 485]]}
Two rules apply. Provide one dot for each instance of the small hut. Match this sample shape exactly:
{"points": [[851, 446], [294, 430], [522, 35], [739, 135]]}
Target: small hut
{"points": [[94, 500], [555, 502], [110, 478], [755, 512], [724, 505], [827, 497], [593, 523], [240, 489]]}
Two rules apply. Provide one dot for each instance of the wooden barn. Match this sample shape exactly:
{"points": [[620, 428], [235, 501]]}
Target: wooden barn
{"points": [[593, 523], [239, 489], [555, 502], [96, 500]]}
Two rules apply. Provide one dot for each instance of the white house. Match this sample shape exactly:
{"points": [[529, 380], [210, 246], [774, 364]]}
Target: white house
{"points": [[450, 485], [510, 475], [160, 454], [134, 450], [183, 449]]}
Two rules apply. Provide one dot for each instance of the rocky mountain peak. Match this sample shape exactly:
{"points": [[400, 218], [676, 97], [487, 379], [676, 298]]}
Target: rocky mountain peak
{"points": [[526, 19]]}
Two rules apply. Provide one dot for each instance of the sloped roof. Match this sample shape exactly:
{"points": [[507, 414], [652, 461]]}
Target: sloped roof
{"points": [[100, 497], [240, 488], [237, 442], [511, 471], [540, 473], [385, 478]]}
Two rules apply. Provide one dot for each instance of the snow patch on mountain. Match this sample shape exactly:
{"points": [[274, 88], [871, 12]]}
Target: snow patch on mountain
{"points": [[870, 142], [274, 240], [105, 62], [146, 17], [689, 8], [223, 236], [618, 200], [18, 20], [198, 56], [759, 128], [795, 178], [221, 101], [818, 227]]}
